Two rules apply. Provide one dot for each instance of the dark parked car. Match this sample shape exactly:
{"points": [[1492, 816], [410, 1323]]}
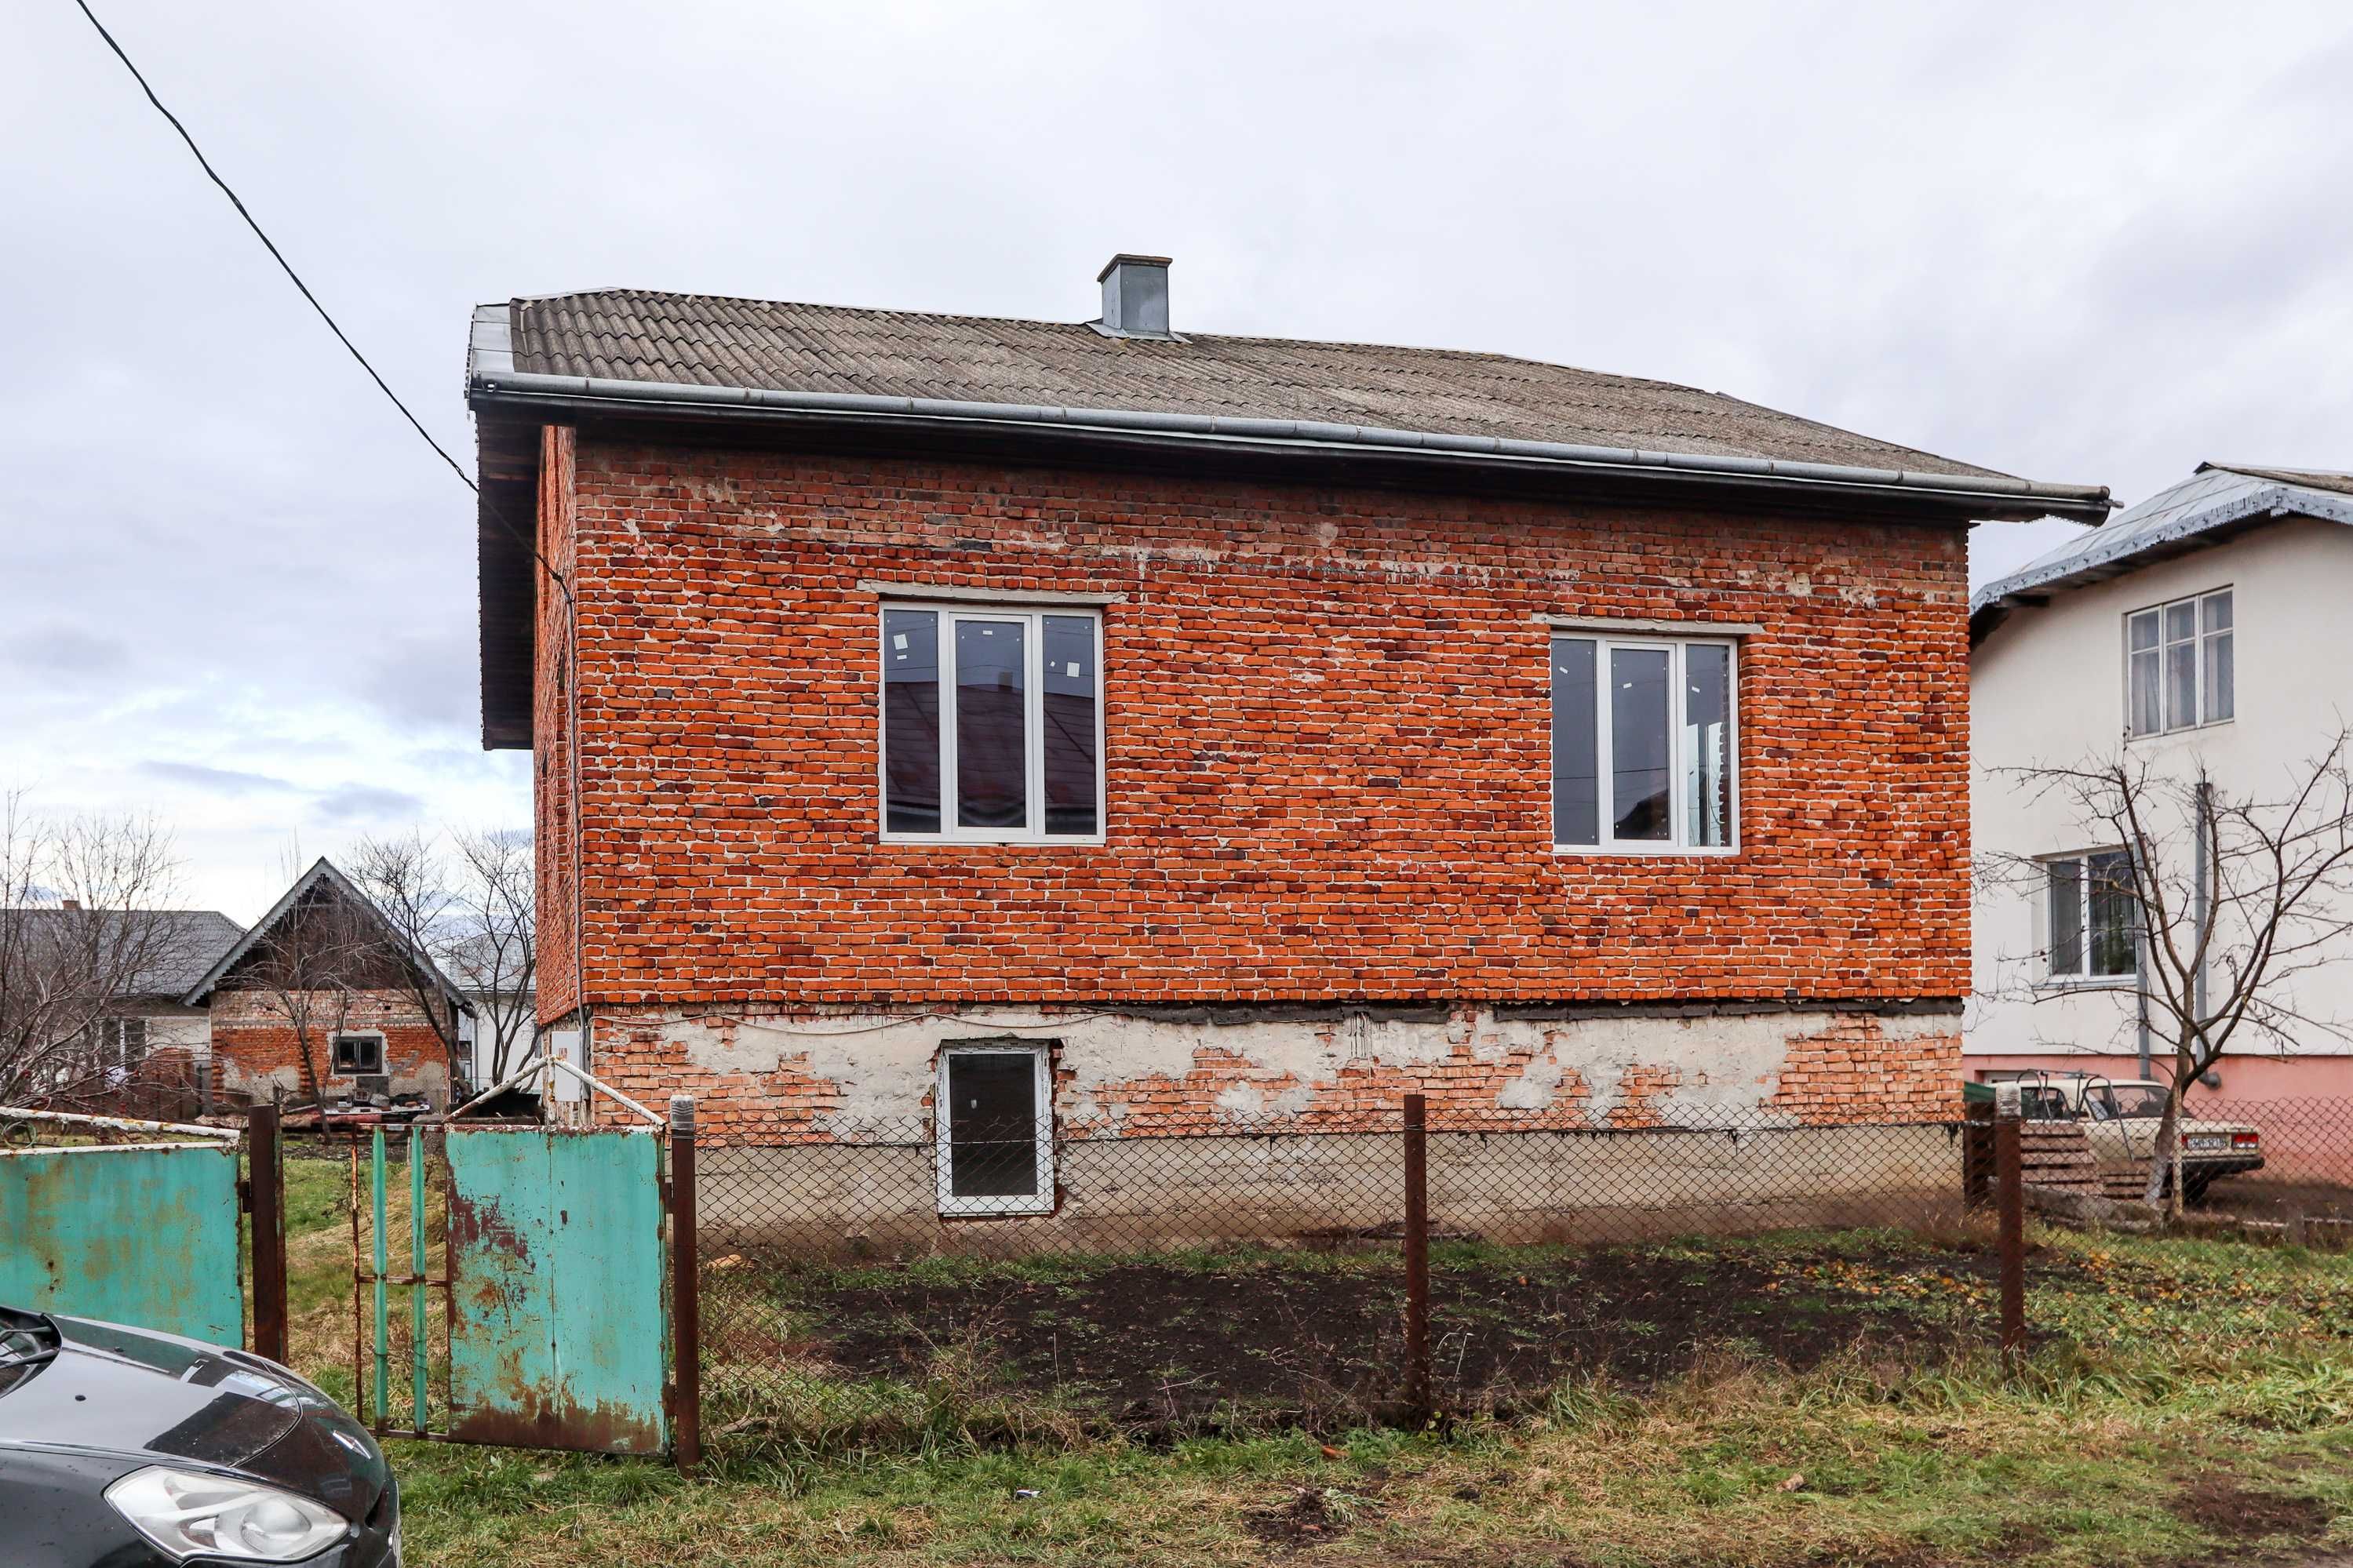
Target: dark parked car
{"points": [[122, 1448]]}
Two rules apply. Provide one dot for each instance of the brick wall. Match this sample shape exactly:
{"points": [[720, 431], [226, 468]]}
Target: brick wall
{"points": [[1327, 724], [557, 974], [256, 1047]]}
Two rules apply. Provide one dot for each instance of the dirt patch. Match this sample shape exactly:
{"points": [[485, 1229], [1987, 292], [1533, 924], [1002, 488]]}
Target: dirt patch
{"points": [[1311, 1515], [2217, 1504], [1170, 1347]]}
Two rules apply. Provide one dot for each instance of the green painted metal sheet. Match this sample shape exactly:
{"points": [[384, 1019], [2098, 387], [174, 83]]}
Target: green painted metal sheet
{"points": [[557, 1335], [141, 1234]]}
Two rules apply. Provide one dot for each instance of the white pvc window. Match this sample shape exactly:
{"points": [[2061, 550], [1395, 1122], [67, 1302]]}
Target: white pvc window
{"points": [[2181, 664], [992, 725], [1645, 745], [993, 1112], [2091, 916]]}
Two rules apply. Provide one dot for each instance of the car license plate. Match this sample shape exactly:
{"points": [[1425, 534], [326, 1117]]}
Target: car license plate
{"points": [[2208, 1140]]}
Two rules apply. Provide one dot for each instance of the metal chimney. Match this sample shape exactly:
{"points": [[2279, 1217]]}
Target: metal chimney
{"points": [[1135, 295]]}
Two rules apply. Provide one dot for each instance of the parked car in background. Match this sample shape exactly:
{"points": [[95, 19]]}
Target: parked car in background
{"points": [[123, 1448], [2121, 1118]]}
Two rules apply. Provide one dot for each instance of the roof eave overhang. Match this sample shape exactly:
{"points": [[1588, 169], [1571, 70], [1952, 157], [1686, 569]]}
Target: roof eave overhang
{"points": [[1992, 604], [1052, 430]]}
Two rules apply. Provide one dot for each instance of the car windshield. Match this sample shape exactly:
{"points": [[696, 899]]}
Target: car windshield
{"points": [[28, 1340], [2133, 1099]]}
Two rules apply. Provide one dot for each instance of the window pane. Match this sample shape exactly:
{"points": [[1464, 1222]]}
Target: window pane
{"points": [[992, 1116], [1637, 744], [1707, 744], [1069, 722], [2221, 700], [2111, 914], [911, 720], [2180, 621], [2217, 612], [2142, 628], [2180, 684], [992, 753], [1575, 745], [2066, 917], [2145, 711]]}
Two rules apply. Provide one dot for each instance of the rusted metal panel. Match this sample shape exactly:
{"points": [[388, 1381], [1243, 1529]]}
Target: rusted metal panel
{"points": [[138, 1234], [557, 1333]]}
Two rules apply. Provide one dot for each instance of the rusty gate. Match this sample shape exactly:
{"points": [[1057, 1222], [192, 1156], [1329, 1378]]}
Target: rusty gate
{"points": [[141, 1232], [555, 1327]]}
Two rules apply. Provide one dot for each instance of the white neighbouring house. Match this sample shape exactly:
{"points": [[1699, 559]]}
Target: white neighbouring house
{"points": [[2207, 624]]}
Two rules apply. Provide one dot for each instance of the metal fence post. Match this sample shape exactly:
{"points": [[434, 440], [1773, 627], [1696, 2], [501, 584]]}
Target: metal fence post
{"points": [[2009, 1197], [1417, 1260], [686, 1290], [265, 1184]]}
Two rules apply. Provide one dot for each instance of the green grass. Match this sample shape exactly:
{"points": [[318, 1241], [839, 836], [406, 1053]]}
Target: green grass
{"points": [[2173, 1366]]}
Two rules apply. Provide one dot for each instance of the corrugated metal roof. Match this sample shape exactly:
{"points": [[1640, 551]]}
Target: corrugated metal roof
{"points": [[695, 339], [2214, 497]]}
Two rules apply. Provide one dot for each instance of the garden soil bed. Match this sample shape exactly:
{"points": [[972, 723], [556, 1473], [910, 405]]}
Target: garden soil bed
{"points": [[1172, 1346]]}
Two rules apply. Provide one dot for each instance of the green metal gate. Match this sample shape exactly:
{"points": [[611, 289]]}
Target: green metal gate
{"points": [[553, 1273], [144, 1233]]}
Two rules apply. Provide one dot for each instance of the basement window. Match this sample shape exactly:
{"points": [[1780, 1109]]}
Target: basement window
{"points": [[994, 1118], [1644, 746], [356, 1053], [992, 726]]}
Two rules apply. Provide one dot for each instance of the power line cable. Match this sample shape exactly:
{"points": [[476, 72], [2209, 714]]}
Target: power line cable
{"points": [[275, 255]]}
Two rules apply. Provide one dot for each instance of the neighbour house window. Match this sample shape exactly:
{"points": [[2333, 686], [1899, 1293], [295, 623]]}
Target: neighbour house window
{"points": [[358, 1053], [995, 1126], [2094, 926], [992, 725], [1643, 744], [2179, 664]]}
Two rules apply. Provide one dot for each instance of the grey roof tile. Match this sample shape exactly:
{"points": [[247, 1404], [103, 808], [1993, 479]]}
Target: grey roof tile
{"points": [[707, 340]]}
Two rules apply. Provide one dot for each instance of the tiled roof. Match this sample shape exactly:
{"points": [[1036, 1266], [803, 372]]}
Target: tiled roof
{"points": [[695, 339], [185, 942]]}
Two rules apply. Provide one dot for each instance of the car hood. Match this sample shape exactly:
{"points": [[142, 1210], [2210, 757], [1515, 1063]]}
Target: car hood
{"points": [[161, 1398]]}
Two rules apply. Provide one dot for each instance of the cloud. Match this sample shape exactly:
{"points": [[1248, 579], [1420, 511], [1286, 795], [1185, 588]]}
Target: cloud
{"points": [[369, 804], [215, 781], [65, 652]]}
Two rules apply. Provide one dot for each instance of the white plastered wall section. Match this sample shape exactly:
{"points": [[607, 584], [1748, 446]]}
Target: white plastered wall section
{"points": [[2047, 688], [1691, 1069]]}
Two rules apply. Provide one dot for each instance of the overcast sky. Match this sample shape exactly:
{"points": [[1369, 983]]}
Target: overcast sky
{"points": [[2070, 242]]}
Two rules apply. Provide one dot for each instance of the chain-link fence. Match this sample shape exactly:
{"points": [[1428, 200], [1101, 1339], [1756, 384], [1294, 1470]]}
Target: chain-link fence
{"points": [[897, 1278]]}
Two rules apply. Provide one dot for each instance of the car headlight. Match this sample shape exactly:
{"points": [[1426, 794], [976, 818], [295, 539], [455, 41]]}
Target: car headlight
{"points": [[188, 1513]]}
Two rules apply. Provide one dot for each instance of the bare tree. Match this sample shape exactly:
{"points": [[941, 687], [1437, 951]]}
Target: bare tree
{"points": [[470, 913], [309, 969], [83, 927], [2230, 897]]}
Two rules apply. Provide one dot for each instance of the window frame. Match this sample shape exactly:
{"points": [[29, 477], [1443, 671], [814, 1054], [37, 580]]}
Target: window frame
{"points": [[1033, 618], [1679, 811], [335, 1053], [2082, 860], [2200, 640], [1042, 1135]]}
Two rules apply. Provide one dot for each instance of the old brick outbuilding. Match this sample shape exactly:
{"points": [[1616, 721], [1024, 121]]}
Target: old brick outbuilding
{"points": [[324, 999], [1142, 729]]}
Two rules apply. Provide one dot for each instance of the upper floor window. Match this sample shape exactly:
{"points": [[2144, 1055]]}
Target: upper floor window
{"points": [[1644, 750], [2093, 917], [992, 724], [2178, 665]]}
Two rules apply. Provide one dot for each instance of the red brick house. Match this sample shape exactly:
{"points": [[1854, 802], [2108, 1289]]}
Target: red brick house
{"points": [[324, 998], [1143, 729]]}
